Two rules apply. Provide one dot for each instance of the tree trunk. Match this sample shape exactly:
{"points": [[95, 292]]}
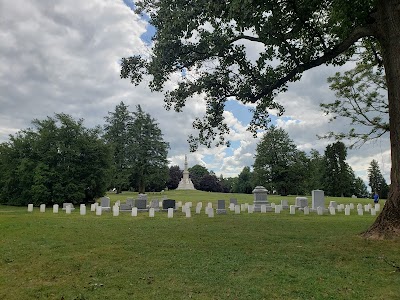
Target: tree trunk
{"points": [[387, 224]]}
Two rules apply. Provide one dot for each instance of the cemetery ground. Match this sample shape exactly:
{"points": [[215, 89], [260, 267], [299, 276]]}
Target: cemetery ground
{"points": [[232, 256]]}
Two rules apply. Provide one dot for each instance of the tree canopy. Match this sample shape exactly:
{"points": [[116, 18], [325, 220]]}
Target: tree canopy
{"points": [[362, 99], [139, 150], [210, 39], [56, 161]]}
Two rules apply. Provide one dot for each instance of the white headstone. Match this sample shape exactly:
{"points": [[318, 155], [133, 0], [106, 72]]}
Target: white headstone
{"points": [[30, 207], [347, 211], [351, 205], [55, 208], [42, 208], [273, 204], [151, 212], [359, 206], [377, 207], [333, 204], [292, 209], [210, 212], [92, 207], [200, 204], [198, 209], [373, 211], [263, 208], [82, 209], [332, 210], [366, 208], [242, 207], [170, 212], [209, 205], [68, 209], [306, 210], [98, 210], [250, 209], [360, 211], [340, 208], [237, 209], [320, 211], [115, 210], [188, 213], [134, 211], [231, 206], [277, 209]]}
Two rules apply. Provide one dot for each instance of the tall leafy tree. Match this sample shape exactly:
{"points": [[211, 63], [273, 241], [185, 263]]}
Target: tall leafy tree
{"points": [[338, 175], [147, 151], [56, 161], [376, 180], [362, 99], [117, 134], [244, 183], [314, 179], [175, 175], [196, 173], [360, 189], [210, 183], [277, 161], [209, 40]]}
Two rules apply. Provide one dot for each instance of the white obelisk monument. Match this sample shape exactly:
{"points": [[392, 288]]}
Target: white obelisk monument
{"points": [[185, 183]]}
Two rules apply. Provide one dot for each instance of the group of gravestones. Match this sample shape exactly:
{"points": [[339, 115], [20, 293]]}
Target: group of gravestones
{"points": [[260, 204]]}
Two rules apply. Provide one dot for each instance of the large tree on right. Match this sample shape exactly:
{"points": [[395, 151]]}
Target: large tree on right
{"points": [[210, 40]]}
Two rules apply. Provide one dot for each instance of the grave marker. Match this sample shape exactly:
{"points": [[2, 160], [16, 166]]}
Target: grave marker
{"points": [[237, 209], [82, 209], [318, 199], [221, 210], [134, 211]]}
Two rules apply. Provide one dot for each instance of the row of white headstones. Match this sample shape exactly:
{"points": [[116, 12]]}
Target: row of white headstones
{"points": [[209, 210]]}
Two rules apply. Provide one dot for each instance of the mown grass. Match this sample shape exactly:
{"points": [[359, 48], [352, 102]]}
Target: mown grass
{"points": [[246, 256]]}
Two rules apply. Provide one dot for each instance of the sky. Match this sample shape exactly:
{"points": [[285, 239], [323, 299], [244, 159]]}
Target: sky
{"points": [[64, 56]]}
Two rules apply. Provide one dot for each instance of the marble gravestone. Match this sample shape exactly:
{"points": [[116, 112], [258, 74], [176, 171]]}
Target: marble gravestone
{"points": [[221, 210], [301, 202], [318, 199], [154, 204], [105, 204], [141, 204]]}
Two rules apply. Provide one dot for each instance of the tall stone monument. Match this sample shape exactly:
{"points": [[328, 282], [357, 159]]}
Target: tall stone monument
{"points": [[185, 183], [260, 198]]}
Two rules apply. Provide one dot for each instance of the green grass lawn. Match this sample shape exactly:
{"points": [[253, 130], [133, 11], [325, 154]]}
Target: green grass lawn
{"points": [[246, 256]]}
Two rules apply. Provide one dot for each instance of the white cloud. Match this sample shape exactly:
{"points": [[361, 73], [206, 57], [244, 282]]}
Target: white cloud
{"points": [[63, 56]]}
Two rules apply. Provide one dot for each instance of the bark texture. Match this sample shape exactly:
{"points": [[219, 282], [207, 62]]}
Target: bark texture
{"points": [[387, 224]]}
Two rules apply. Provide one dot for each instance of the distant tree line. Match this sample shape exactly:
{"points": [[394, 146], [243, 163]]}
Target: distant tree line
{"points": [[283, 169], [59, 160]]}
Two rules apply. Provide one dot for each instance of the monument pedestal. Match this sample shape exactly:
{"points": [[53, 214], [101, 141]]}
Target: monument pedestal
{"points": [[260, 198]]}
